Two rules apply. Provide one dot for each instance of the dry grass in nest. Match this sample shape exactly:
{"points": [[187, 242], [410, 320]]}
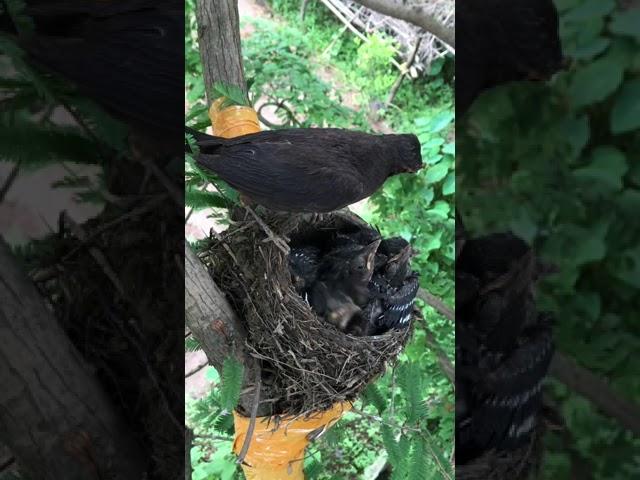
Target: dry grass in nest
{"points": [[309, 363], [518, 464]]}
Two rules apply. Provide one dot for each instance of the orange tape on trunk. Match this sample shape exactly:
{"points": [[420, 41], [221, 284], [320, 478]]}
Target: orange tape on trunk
{"points": [[278, 453], [232, 121]]}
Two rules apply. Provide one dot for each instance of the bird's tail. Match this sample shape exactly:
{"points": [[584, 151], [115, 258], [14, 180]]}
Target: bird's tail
{"points": [[206, 143]]}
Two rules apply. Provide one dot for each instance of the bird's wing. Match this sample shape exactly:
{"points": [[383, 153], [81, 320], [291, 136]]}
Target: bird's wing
{"points": [[400, 304], [285, 178]]}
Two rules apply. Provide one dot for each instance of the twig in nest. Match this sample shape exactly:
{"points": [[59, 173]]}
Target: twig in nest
{"points": [[252, 422], [277, 241], [97, 255], [177, 195]]}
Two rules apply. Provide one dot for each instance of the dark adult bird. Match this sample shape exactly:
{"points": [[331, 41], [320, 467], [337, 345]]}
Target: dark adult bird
{"points": [[501, 41], [126, 56], [308, 170]]}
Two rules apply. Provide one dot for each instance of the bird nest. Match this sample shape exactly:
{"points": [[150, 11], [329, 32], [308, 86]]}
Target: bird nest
{"points": [[518, 464], [307, 362]]}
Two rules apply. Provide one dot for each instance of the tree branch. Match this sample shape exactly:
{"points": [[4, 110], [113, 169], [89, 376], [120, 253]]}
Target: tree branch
{"points": [[54, 416], [437, 304], [415, 14], [597, 390], [213, 322]]}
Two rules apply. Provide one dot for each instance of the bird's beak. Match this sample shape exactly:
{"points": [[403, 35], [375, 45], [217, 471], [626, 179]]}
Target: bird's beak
{"points": [[403, 256], [370, 252]]}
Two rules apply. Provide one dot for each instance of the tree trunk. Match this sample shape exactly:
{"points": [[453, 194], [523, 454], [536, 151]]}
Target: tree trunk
{"points": [[207, 313], [54, 416], [213, 322], [219, 40]]}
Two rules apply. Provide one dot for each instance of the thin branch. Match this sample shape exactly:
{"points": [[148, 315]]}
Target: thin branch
{"points": [[437, 304], [404, 72], [597, 390], [446, 364], [196, 369], [252, 421]]}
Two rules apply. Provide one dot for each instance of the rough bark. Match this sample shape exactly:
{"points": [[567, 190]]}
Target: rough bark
{"points": [[415, 14], [54, 416], [213, 322], [219, 41]]}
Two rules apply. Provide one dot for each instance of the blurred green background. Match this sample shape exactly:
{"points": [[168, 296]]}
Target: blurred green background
{"points": [[559, 164]]}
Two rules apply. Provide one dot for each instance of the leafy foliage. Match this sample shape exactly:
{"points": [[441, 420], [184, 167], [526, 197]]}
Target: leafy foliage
{"points": [[556, 164]]}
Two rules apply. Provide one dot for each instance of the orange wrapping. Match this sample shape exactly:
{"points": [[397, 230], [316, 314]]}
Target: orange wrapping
{"points": [[274, 453], [278, 453], [232, 121]]}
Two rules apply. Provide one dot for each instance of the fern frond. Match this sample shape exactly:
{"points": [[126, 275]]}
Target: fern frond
{"points": [[410, 381], [224, 423], [418, 464], [373, 396], [313, 470], [191, 344], [390, 444], [232, 375], [35, 145], [201, 199]]}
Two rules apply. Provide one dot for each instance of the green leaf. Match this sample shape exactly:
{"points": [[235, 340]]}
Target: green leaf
{"points": [[625, 115], [449, 185], [595, 82], [577, 133], [437, 172], [589, 9], [24, 23], [626, 23], [449, 148], [591, 49], [608, 166], [232, 376], [234, 95]]}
